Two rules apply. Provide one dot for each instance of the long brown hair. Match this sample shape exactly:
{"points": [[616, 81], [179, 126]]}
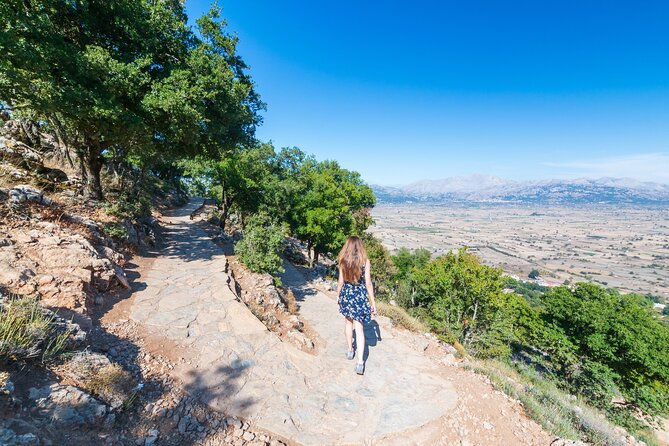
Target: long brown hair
{"points": [[352, 258]]}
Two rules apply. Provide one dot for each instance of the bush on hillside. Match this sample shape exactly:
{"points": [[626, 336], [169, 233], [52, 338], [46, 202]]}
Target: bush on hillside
{"points": [[406, 264], [261, 246], [616, 341]]}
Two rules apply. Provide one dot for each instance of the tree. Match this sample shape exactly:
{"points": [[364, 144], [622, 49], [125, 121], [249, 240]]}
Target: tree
{"points": [[125, 75], [618, 335], [407, 263], [460, 296], [238, 180], [325, 213]]}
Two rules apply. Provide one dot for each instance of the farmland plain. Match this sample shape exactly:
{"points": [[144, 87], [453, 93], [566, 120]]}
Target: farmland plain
{"points": [[619, 247]]}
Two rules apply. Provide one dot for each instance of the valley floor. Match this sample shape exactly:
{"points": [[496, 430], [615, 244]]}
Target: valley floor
{"points": [[619, 247]]}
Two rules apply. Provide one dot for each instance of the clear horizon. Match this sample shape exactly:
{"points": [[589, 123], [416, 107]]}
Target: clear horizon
{"points": [[428, 90]]}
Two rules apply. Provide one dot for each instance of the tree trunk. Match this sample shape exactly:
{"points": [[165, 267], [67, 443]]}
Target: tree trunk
{"points": [[224, 217], [311, 262], [314, 259], [91, 163]]}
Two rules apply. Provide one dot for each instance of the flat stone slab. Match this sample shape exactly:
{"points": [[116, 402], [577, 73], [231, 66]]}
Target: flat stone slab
{"points": [[239, 367]]}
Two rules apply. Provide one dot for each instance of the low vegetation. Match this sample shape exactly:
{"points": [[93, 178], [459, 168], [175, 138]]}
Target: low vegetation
{"points": [[289, 300], [28, 333], [260, 248]]}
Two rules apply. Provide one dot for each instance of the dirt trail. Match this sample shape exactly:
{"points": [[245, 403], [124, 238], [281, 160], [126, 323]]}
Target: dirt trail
{"points": [[234, 364]]}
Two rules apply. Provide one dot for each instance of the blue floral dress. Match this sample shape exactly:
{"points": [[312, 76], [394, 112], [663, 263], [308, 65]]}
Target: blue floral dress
{"points": [[353, 300]]}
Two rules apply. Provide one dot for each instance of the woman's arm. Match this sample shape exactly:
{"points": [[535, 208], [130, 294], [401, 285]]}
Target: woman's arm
{"points": [[340, 285], [370, 286]]}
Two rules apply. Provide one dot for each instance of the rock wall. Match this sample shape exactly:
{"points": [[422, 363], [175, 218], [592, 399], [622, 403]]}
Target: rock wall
{"points": [[62, 258]]}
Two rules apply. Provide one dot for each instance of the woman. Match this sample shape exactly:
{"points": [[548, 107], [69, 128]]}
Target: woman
{"points": [[356, 296]]}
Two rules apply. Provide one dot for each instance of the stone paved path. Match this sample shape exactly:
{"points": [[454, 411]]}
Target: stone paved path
{"points": [[237, 366]]}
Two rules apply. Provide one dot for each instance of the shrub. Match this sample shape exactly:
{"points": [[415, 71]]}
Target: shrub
{"points": [[261, 246], [128, 206], [28, 332], [383, 268], [458, 294], [115, 230]]}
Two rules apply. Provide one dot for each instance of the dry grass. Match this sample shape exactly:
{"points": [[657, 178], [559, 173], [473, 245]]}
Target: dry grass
{"points": [[290, 301], [460, 349], [400, 317], [556, 411], [111, 383], [4, 377]]}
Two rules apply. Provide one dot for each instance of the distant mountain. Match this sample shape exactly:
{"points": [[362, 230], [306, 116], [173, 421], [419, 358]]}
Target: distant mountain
{"points": [[492, 189]]}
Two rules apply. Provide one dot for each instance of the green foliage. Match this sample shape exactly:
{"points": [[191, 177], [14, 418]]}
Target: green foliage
{"points": [[238, 181], [28, 333], [554, 409], [407, 263], [115, 230], [126, 75], [261, 246], [534, 274], [383, 268], [466, 298], [532, 292], [325, 212], [129, 206], [616, 342]]}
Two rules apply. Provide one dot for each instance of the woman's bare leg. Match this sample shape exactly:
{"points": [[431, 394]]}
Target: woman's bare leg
{"points": [[360, 340], [348, 331]]}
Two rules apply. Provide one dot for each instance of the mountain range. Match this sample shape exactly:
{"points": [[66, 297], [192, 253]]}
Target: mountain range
{"points": [[489, 188]]}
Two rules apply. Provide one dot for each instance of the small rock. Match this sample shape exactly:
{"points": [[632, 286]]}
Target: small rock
{"points": [[249, 436], [237, 424], [183, 424]]}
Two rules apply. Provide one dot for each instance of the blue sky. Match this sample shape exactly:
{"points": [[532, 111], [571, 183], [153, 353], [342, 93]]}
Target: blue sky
{"points": [[403, 91]]}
